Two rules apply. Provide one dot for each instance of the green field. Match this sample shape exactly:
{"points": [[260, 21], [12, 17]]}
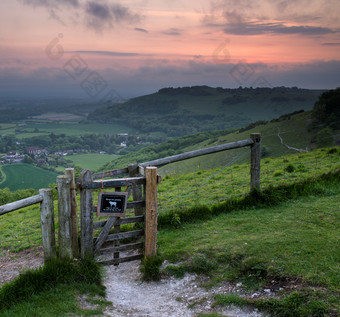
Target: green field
{"points": [[91, 161], [22, 176], [44, 127]]}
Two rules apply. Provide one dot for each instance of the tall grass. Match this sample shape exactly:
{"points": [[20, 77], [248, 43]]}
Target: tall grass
{"points": [[49, 276]]}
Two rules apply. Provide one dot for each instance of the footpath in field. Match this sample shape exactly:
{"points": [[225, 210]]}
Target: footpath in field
{"points": [[131, 297]]}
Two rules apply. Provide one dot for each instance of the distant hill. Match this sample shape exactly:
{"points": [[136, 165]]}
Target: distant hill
{"points": [[188, 110], [290, 133]]}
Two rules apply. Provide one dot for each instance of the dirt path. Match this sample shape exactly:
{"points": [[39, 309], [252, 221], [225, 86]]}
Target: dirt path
{"points": [[286, 145], [11, 264], [131, 297], [169, 297]]}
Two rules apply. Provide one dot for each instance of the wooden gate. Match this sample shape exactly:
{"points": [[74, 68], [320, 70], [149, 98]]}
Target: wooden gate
{"points": [[114, 240]]}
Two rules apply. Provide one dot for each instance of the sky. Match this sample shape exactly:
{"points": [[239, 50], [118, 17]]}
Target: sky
{"points": [[107, 49]]}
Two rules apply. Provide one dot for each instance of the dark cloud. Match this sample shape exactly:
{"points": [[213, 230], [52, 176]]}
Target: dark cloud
{"points": [[255, 28], [52, 3], [172, 31], [141, 30], [98, 15], [98, 10], [102, 15], [108, 53], [237, 24], [331, 44]]}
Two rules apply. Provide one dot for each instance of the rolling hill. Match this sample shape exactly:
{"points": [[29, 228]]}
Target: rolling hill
{"points": [[188, 110], [287, 134]]}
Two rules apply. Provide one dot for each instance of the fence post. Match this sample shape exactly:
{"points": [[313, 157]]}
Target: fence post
{"points": [[47, 223], [64, 214], [255, 161], [137, 192], [151, 212], [69, 172], [86, 209]]}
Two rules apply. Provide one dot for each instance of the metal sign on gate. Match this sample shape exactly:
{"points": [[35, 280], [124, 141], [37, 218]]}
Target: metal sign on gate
{"points": [[112, 204]]}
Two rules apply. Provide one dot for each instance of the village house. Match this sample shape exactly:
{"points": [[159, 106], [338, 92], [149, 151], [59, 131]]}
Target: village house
{"points": [[35, 151]]}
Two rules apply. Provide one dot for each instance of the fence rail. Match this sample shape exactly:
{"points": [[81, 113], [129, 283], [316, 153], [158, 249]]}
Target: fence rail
{"points": [[4, 209], [196, 153], [45, 198]]}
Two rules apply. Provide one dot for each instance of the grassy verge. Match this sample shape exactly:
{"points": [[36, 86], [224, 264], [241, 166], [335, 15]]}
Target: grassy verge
{"points": [[203, 193], [293, 246], [53, 290]]}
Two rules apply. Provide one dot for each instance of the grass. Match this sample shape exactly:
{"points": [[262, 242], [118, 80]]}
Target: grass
{"points": [[45, 127], [209, 187], [91, 161], [287, 233], [21, 229], [297, 240], [58, 282], [19, 176]]}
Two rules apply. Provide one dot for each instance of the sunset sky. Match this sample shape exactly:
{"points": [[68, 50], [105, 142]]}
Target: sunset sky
{"points": [[94, 49]]}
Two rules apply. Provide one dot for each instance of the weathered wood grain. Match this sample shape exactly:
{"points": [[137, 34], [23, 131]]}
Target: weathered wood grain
{"points": [[64, 216], [86, 203], [255, 161], [47, 224], [4, 209], [151, 212], [69, 172]]}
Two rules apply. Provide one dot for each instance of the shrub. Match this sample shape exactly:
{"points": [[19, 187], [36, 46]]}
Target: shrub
{"points": [[290, 168], [150, 268]]}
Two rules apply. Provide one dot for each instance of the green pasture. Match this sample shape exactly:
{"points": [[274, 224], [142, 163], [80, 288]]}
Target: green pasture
{"points": [[206, 187], [91, 161], [22, 176], [43, 127], [297, 241]]}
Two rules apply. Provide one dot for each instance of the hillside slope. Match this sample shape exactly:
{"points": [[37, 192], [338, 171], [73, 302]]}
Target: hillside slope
{"points": [[288, 134], [188, 110]]}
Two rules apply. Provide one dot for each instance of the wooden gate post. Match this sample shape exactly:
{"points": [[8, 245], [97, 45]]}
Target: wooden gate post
{"points": [[47, 223], [255, 161], [64, 213], [86, 209], [74, 216], [137, 192], [151, 212]]}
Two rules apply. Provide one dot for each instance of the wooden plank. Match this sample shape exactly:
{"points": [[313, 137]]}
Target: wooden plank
{"points": [[122, 260], [120, 221], [86, 203], [4, 209], [188, 155], [106, 174], [137, 191], [255, 161], [47, 224], [116, 230], [64, 217], [112, 183], [74, 214], [124, 247], [104, 233], [151, 212], [141, 170], [125, 235], [110, 173]]}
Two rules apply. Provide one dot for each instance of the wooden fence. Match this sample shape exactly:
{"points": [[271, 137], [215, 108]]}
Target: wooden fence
{"points": [[144, 193], [45, 198]]}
